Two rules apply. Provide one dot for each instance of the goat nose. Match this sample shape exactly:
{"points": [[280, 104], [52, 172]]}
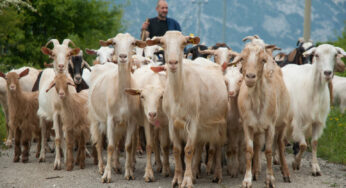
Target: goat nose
{"points": [[61, 66], [173, 62], [327, 73], [251, 76], [123, 56], [152, 114], [231, 93], [78, 78]]}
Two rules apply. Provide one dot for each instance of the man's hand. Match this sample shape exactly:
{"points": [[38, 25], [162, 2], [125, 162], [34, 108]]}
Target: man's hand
{"points": [[145, 24]]}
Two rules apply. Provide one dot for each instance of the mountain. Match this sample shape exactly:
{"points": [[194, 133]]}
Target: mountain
{"points": [[278, 22]]}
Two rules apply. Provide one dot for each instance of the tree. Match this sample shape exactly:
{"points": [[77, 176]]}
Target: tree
{"points": [[83, 21]]}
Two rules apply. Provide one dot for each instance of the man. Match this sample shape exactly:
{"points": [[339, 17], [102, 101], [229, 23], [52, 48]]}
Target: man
{"points": [[158, 26]]}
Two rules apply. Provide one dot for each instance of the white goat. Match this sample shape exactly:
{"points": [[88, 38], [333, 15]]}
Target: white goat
{"points": [[308, 88], [236, 144], [49, 104], [104, 55], [339, 92]]}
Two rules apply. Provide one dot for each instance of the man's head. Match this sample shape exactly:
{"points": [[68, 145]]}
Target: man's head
{"points": [[162, 9]]}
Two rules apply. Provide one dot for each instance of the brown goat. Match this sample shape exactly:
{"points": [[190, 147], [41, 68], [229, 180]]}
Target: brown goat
{"points": [[264, 107], [22, 107], [74, 118]]}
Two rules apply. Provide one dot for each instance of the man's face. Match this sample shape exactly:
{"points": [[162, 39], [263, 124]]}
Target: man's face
{"points": [[162, 9]]}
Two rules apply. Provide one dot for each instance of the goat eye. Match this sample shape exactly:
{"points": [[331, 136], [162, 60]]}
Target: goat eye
{"points": [[133, 43], [316, 55], [142, 97]]}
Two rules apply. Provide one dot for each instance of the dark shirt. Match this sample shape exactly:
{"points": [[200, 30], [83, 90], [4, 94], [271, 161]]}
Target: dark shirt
{"points": [[157, 27]]}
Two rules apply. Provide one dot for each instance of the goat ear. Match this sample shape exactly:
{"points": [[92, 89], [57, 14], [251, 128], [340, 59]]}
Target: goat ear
{"points": [[224, 66], [158, 69], [46, 51], [90, 51], [341, 51], [309, 52], [106, 43], [154, 41], [193, 40], [2, 75], [51, 85], [270, 48], [133, 91], [207, 52], [24, 73], [74, 51], [232, 53], [236, 59], [140, 44]]}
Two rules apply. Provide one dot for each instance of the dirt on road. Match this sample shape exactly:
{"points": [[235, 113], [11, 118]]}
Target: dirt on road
{"points": [[35, 174]]}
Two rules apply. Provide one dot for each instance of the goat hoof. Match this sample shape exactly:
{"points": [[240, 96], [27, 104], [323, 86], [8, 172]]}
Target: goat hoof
{"points": [[270, 181], [129, 177], [159, 169], [316, 174], [295, 165], [57, 165], [246, 184], [106, 178], [187, 182], [69, 167], [117, 170], [217, 180], [176, 181], [287, 179], [42, 159], [82, 165], [25, 159], [255, 177], [16, 159], [232, 172], [165, 172]]}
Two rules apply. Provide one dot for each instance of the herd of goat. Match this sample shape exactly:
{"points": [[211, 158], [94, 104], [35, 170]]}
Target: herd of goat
{"points": [[236, 105]]}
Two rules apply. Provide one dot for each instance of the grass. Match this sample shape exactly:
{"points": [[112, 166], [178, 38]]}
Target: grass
{"points": [[3, 132], [332, 144]]}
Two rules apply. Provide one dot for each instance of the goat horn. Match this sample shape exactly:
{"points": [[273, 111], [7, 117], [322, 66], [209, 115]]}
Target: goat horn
{"points": [[66, 42], [86, 65], [208, 52], [70, 63], [54, 41], [250, 38]]}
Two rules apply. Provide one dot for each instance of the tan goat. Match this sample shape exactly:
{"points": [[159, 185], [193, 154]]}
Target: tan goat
{"points": [[22, 107], [151, 88], [195, 101], [110, 105], [264, 107], [73, 118]]}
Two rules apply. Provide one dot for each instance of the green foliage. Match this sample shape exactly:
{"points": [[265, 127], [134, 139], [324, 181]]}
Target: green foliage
{"points": [[332, 144], [3, 131], [85, 22]]}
